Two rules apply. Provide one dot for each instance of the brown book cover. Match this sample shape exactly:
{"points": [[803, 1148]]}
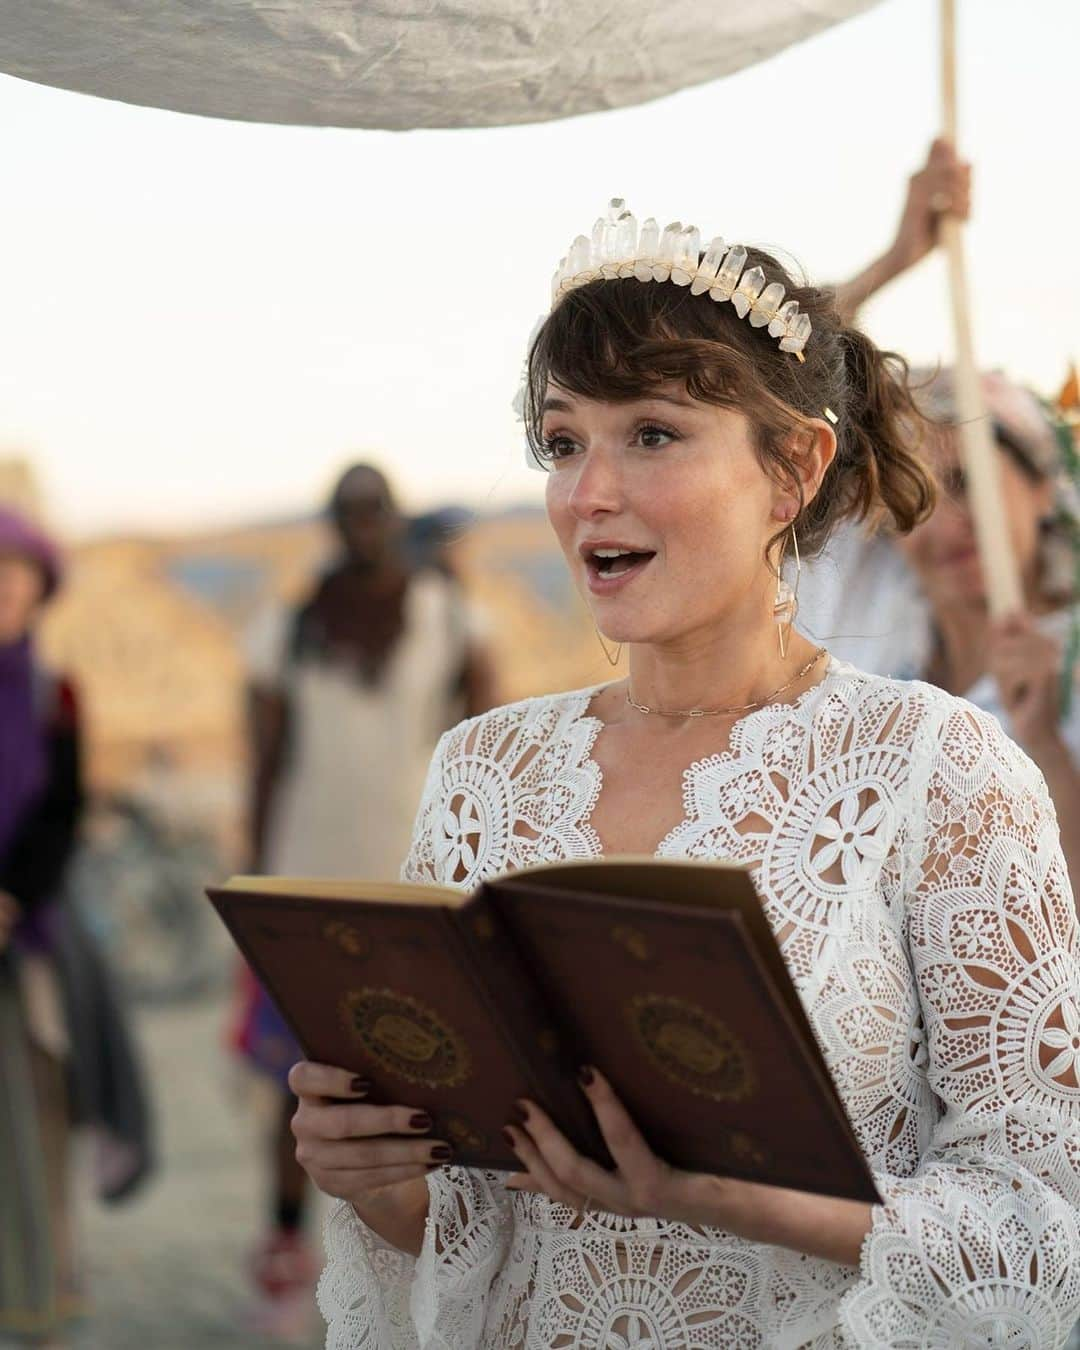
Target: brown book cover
{"points": [[665, 975]]}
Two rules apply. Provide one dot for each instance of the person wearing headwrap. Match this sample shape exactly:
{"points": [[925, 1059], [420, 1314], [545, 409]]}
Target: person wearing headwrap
{"points": [[40, 800], [67, 1058], [349, 693]]}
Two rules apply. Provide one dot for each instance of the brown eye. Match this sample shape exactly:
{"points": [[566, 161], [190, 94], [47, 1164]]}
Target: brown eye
{"points": [[558, 447], [654, 437]]}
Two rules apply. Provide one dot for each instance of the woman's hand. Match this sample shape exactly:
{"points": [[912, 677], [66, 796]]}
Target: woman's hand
{"points": [[641, 1186], [1026, 663], [941, 187], [644, 1186], [352, 1150]]}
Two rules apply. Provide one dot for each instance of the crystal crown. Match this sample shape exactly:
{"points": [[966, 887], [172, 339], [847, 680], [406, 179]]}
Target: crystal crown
{"points": [[618, 248]]}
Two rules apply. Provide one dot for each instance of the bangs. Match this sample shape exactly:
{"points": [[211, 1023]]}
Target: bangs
{"points": [[620, 340]]}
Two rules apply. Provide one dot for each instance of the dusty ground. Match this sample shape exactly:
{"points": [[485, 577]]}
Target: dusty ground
{"points": [[168, 1270]]}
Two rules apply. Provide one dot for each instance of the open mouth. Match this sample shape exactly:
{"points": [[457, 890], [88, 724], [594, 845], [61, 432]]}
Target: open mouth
{"points": [[607, 564]]}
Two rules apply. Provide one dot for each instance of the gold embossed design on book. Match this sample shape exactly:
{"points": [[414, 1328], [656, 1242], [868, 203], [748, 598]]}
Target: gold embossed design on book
{"points": [[691, 1047], [406, 1037], [632, 940], [351, 941], [465, 1133]]}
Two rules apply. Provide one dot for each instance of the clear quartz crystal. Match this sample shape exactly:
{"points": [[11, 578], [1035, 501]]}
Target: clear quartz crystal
{"points": [[616, 207], [794, 340], [647, 249], [666, 256], [580, 256], [598, 242], [784, 605], [608, 264], [748, 290], [784, 315], [625, 244], [710, 265], [765, 308], [687, 254], [727, 278]]}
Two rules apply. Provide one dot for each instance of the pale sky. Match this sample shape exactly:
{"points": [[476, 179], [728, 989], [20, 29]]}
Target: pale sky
{"points": [[202, 320]]}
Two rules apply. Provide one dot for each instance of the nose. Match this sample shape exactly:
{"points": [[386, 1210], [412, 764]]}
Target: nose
{"points": [[596, 489]]}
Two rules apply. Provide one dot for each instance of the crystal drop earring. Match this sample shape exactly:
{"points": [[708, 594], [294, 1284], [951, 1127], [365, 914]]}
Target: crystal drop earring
{"points": [[786, 604]]}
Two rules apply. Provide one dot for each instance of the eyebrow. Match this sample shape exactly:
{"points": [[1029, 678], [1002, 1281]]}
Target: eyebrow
{"points": [[552, 404]]}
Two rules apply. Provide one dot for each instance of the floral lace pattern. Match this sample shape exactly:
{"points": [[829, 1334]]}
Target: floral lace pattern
{"points": [[907, 857]]}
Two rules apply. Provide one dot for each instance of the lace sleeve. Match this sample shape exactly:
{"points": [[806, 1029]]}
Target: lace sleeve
{"points": [[468, 1235], [981, 1245], [364, 1289], [375, 1297]]}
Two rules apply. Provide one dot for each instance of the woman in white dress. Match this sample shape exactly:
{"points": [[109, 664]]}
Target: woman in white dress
{"points": [[349, 693], [906, 854]]}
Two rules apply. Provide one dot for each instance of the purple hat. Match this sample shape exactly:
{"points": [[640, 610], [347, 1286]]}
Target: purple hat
{"points": [[21, 537]]}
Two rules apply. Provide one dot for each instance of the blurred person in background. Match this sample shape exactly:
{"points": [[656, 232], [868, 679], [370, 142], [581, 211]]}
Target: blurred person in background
{"points": [[40, 802], [1021, 668], [65, 1057], [916, 608], [349, 693]]}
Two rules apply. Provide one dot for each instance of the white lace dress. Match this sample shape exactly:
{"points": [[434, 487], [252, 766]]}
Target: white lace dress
{"points": [[907, 856]]}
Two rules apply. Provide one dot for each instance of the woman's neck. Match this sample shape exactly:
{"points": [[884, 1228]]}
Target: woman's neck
{"points": [[718, 670]]}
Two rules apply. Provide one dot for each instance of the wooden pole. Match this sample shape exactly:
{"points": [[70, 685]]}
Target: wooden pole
{"points": [[1003, 590]]}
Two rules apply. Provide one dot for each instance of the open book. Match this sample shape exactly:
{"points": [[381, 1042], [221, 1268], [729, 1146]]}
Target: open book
{"points": [[665, 975]]}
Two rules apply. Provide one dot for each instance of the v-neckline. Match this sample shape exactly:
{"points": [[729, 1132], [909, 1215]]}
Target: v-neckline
{"points": [[597, 726]]}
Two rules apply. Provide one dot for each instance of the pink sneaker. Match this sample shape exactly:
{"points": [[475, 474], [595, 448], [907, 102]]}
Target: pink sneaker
{"points": [[285, 1274]]}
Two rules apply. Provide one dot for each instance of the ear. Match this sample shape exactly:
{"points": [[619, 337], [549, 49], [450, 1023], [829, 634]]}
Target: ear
{"points": [[814, 451], [811, 450]]}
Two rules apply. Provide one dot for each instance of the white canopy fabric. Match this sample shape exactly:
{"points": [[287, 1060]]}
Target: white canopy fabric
{"points": [[399, 64]]}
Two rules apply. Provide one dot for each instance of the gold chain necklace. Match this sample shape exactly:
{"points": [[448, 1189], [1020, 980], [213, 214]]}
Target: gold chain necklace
{"points": [[729, 712]]}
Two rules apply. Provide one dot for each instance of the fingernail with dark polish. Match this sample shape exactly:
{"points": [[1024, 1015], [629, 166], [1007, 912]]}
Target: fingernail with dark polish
{"points": [[585, 1076], [360, 1086], [521, 1112], [508, 1136], [421, 1121], [442, 1153]]}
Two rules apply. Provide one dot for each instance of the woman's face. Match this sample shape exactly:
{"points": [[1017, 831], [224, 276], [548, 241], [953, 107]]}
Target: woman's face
{"points": [[368, 523], [675, 489], [21, 590], [942, 550]]}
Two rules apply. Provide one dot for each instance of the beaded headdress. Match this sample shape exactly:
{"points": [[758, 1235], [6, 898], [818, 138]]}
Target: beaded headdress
{"points": [[618, 248]]}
